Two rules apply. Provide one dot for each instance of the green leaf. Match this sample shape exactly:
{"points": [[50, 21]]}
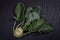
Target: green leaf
{"points": [[28, 11], [35, 25], [37, 9], [33, 13], [19, 11], [30, 16], [45, 28], [33, 16]]}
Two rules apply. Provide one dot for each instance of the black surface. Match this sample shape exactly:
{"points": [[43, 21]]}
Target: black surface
{"points": [[50, 8]]}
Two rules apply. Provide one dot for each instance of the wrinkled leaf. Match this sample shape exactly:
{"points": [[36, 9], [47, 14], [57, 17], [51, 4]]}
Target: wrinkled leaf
{"points": [[28, 11], [45, 28], [34, 16], [31, 17], [37, 9], [35, 25]]}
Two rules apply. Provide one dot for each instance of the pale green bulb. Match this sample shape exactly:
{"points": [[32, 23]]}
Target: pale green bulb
{"points": [[18, 32]]}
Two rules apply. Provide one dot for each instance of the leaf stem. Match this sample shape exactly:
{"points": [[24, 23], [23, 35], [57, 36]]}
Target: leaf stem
{"points": [[14, 24], [20, 24], [26, 33], [24, 27]]}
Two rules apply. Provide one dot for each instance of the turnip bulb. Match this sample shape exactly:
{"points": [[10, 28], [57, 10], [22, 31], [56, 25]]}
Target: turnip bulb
{"points": [[18, 32]]}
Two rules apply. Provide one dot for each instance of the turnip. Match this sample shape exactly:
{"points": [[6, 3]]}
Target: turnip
{"points": [[30, 20]]}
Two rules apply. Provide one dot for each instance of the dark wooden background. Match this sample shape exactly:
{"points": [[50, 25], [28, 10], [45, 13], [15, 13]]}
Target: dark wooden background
{"points": [[50, 9]]}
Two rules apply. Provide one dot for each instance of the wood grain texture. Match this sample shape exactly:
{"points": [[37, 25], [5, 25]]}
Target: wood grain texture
{"points": [[50, 9]]}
